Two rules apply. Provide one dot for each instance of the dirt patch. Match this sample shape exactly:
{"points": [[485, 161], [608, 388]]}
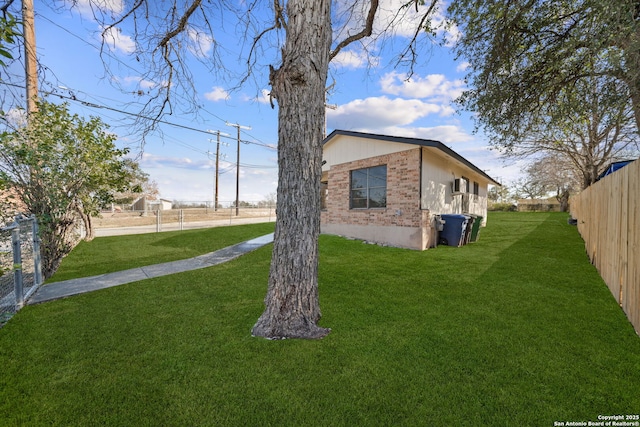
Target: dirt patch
{"points": [[132, 219]]}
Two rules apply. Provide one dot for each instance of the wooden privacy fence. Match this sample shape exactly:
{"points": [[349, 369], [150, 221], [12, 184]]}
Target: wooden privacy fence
{"points": [[608, 219]]}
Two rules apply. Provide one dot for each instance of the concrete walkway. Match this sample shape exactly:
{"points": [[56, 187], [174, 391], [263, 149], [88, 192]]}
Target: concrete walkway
{"points": [[82, 285]]}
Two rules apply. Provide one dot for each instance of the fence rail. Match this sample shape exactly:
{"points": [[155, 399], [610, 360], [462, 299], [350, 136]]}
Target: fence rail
{"points": [[133, 222], [608, 219], [20, 265]]}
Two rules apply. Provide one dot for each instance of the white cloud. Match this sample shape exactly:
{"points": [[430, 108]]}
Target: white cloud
{"points": [[463, 66], [265, 96], [394, 18], [88, 8], [114, 38], [262, 98], [16, 116], [351, 59], [435, 87], [138, 82], [381, 112], [201, 43], [155, 161], [447, 134], [217, 94]]}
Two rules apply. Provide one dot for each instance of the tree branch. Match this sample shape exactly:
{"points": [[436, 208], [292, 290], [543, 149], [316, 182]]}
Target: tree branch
{"points": [[5, 7], [182, 24], [411, 46], [366, 31]]}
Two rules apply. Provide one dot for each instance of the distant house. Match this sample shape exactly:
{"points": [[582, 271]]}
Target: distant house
{"points": [[164, 204], [145, 204], [388, 189]]}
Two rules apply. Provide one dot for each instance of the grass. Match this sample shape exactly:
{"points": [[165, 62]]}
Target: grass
{"points": [[516, 329], [108, 254]]}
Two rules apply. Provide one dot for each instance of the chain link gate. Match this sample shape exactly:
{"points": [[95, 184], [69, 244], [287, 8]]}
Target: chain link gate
{"points": [[20, 265]]}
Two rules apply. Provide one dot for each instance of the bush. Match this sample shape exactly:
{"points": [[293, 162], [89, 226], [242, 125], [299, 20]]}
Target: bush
{"points": [[502, 207]]}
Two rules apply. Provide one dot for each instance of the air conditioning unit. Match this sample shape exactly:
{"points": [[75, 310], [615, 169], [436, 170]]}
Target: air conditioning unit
{"points": [[459, 186]]}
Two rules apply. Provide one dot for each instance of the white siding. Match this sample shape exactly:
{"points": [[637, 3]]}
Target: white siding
{"points": [[438, 174], [344, 149]]}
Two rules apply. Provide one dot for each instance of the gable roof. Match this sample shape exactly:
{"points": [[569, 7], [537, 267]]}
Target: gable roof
{"points": [[431, 143]]}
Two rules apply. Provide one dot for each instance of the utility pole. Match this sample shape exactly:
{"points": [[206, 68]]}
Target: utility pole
{"points": [[31, 64], [238, 127], [215, 196]]}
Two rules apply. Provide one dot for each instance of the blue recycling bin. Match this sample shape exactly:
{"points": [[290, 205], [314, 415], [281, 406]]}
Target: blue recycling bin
{"points": [[454, 230]]}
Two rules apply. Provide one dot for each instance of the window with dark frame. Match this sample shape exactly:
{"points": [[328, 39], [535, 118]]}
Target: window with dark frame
{"points": [[368, 188], [476, 188]]}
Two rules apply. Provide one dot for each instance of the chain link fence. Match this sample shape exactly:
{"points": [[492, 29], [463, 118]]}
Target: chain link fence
{"points": [[20, 265], [179, 218]]}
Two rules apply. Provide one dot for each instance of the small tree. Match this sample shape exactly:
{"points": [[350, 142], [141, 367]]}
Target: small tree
{"points": [[64, 169], [529, 187], [138, 185], [269, 201], [556, 174]]}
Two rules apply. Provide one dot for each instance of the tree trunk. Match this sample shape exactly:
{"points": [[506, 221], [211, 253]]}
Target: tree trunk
{"points": [[88, 225], [292, 309]]}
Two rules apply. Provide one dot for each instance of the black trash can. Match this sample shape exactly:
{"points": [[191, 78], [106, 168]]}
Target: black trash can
{"points": [[475, 231]]}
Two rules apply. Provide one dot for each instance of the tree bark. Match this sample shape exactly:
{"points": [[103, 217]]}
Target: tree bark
{"points": [[88, 226], [292, 308], [86, 220]]}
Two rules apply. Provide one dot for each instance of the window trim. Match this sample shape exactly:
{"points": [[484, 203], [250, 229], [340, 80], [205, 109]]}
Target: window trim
{"points": [[367, 188]]}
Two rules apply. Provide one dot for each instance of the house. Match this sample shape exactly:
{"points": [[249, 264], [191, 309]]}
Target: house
{"points": [[145, 204], [389, 189], [163, 204]]}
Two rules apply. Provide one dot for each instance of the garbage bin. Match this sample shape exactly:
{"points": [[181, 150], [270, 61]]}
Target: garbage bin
{"points": [[475, 231], [437, 227], [454, 229], [467, 231]]}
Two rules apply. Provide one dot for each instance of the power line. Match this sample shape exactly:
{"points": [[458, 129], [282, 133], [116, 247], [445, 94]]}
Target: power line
{"points": [[137, 115], [98, 48], [107, 53]]}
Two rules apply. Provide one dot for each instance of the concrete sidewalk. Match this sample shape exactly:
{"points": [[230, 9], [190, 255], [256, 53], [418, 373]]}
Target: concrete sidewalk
{"points": [[82, 285]]}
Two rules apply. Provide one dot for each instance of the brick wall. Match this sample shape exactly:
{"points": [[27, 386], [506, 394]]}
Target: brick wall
{"points": [[403, 193]]}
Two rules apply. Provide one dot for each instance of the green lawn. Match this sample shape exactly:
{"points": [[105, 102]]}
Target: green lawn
{"points": [[516, 329], [108, 254]]}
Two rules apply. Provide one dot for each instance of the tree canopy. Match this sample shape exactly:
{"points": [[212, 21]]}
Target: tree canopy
{"points": [[63, 168], [554, 76]]}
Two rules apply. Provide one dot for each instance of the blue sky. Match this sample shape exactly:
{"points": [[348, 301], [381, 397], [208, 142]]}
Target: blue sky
{"points": [[369, 95]]}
